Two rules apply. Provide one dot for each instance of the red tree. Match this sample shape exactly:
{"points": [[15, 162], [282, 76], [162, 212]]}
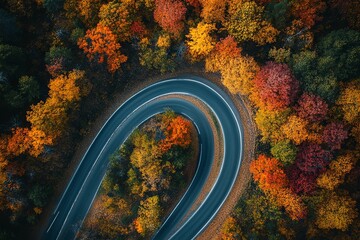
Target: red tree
{"points": [[276, 85], [312, 158], [311, 107], [301, 182], [138, 29], [334, 135], [169, 14], [308, 11]]}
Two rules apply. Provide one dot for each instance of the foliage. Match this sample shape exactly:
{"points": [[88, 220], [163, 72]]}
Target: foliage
{"points": [[308, 11], [230, 229], [349, 101], [200, 42], [100, 45], [213, 10], [312, 158], [269, 123], [311, 107], [276, 85], [285, 151], [334, 135], [336, 211], [116, 17], [148, 216], [335, 175], [246, 22], [170, 14], [295, 129]]}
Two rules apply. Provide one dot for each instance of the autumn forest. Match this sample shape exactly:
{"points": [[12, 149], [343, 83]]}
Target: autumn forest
{"points": [[296, 64]]}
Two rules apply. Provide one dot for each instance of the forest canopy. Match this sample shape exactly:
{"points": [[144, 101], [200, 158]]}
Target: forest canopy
{"points": [[294, 62]]}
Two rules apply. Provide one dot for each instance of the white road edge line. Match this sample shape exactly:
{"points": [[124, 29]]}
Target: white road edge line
{"points": [[217, 179], [170, 93], [53, 221]]}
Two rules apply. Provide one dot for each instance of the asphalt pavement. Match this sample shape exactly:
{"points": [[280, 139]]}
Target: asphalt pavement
{"points": [[82, 188]]}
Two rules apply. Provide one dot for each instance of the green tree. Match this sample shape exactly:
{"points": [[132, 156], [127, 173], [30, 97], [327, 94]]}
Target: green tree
{"points": [[285, 151], [39, 194]]}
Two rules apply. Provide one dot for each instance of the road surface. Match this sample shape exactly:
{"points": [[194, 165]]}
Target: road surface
{"points": [[82, 188]]}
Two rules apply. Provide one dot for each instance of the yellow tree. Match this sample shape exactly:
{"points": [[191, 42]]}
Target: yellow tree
{"points": [[295, 129], [336, 211], [230, 230], [237, 76], [269, 123], [349, 101], [200, 42], [65, 87], [338, 168], [148, 219], [116, 17], [88, 10], [19, 141], [100, 44], [213, 10], [225, 50], [38, 141], [246, 22]]}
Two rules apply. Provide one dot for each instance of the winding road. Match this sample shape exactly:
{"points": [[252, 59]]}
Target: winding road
{"points": [[84, 184]]}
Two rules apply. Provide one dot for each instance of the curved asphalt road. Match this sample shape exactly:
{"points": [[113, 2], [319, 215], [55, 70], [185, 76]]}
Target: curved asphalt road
{"points": [[81, 191]]}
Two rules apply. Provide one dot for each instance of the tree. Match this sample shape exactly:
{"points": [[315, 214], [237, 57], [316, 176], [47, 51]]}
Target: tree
{"points": [[225, 50], [285, 151], [156, 57], [268, 173], [340, 51], [314, 75], [116, 17], [88, 10], [100, 44], [336, 211], [311, 107], [145, 157], [276, 85], [52, 6], [38, 141], [50, 116], [19, 142], [170, 14], [39, 194], [230, 229], [148, 219], [308, 11], [292, 204], [178, 132], [272, 180], [335, 175], [237, 76], [334, 135], [269, 123], [312, 158], [12, 61], [29, 88], [65, 87], [295, 129], [300, 181], [199, 42], [349, 10], [213, 10], [246, 22], [349, 101]]}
